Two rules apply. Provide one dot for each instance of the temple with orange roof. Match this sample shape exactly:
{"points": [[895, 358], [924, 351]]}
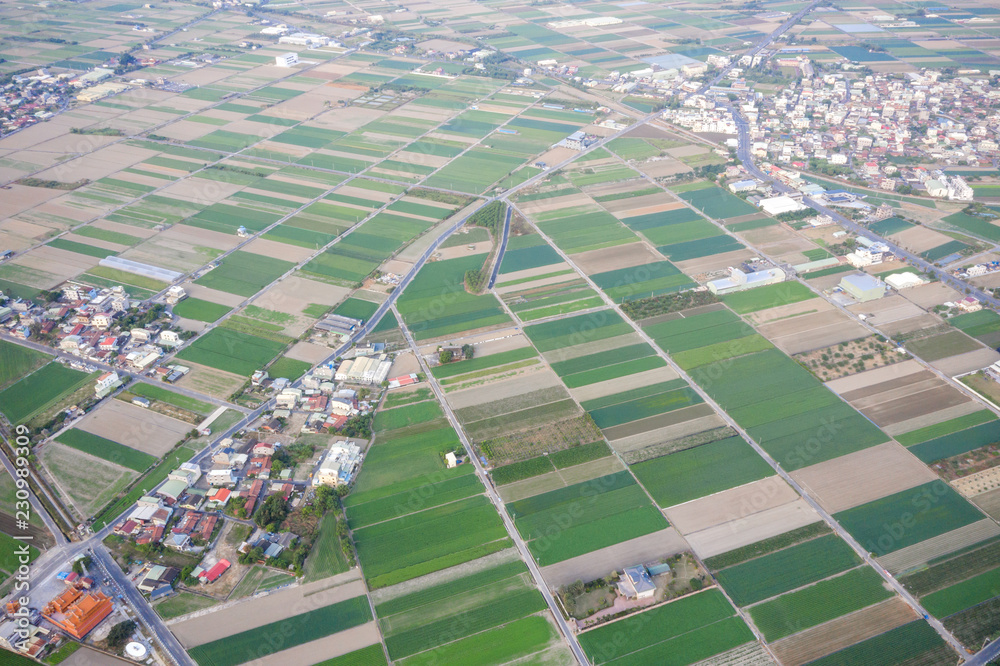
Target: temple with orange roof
{"points": [[77, 612]]}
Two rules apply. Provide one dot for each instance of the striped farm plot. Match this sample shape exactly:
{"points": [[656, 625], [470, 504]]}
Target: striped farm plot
{"points": [[135, 427], [583, 228], [601, 512]]}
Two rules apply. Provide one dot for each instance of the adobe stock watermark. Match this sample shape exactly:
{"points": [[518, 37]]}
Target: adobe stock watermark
{"points": [[22, 521]]}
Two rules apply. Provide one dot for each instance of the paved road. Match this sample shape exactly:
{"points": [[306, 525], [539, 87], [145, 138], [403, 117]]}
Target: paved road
{"points": [[503, 248], [495, 499], [36, 505]]}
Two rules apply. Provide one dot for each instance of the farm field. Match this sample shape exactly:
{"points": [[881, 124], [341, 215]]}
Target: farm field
{"points": [[438, 538], [106, 449], [26, 397], [928, 510], [689, 629], [699, 471], [915, 641], [232, 351], [17, 362], [582, 329], [244, 273], [200, 310], [607, 510]]}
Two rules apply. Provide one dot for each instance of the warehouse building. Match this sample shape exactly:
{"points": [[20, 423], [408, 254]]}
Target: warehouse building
{"points": [[863, 287], [740, 281]]}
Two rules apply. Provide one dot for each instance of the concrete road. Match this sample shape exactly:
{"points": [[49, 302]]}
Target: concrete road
{"points": [[503, 248], [494, 497]]}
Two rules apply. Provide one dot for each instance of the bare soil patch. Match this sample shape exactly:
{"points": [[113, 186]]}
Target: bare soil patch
{"points": [[647, 203], [308, 352], [886, 310], [931, 418], [517, 386], [283, 251], [294, 294], [829, 637], [813, 331], [665, 434], [731, 505], [328, 647], [756, 527], [920, 239], [622, 384], [929, 295], [863, 476], [967, 362], [596, 347], [228, 619], [215, 383], [678, 416], [873, 378], [921, 553], [135, 427]]}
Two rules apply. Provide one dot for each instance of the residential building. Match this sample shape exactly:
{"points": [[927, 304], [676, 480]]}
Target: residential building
{"points": [[286, 59], [636, 583]]}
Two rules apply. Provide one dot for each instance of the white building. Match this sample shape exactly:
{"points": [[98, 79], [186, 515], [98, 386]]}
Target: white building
{"points": [[175, 295], [780, 204], [309, 39], [741, 281], [876, 253], [286, 60], [904, 280], [107, 383], [339, 465]]}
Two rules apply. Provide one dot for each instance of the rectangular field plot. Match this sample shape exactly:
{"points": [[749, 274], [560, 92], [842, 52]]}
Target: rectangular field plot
{"points": [[401, 417], [646, 406], [17, 361], [526, 252], [199, 310], [232, 351], [673, 226], [586, 229], [436, 539], [577, 330], [769, 296], [644, 281], [787, 569], [703, 247], [23, 399], [436, 302], [963, 595], [505, 644], [816, 426], [681, 632], [716, 203], [106, 449], [819, 603], [424, 620], [678, 335], [915, 643], [703, 470], [908, 517], [244, 273], [957, 443], [283, 634], [604, 511]]}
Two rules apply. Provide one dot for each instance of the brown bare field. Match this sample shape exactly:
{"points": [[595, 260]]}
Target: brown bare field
{"points": [[931, 294], [20, 198], [621, 384], [967, 362], [283, 251], [89, 657], [457, 251], [135, 427], [988, 502], [910, 402], [613, 258], [673, 418], [920, 239], [731, 506], [308, 352], [328, 647], [886, 310], [876, 377], [931, 418], [294, 294], [862, 477], [215, 383], [663, 168], [62, 264], [791, 311], [214, 295], [921, 553], [632, 206], [540, 379], [700, 266], [86, 481], [201, 191], [533, 272], [756, 527], [813, 331], [555, 203], [221, 621], [660, 435], [596, 347], [559, 479], [834, 635], [600, 563]]}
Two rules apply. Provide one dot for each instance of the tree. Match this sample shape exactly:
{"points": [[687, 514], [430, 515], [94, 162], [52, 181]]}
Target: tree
{"points": [[79, 566], [120, 633], [272, 513], [445, 356], [468, 351]]}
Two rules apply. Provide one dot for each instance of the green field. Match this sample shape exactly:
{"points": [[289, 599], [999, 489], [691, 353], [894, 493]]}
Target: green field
{"points": [[106, 449], [283, 634], [787, 569], [457, 485], [497, 646], [289, 368], [373, 655], [963, 595], [8, 549], [195, 308], [640, 408], [577, 519], [482, 362], [435, 539], [17, 361], [908, 517], [571, 331], [819, 603], [909, 644], [326, 557], [231, 351], [401, 417], [436, 302], [154, 392], [244, 273], [769, 296], [703, 470], [945, 427], [650, 636], [957, 443], [23, 399]]}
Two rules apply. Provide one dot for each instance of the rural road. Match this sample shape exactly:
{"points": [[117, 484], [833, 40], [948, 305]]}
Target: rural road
{"points": [[491, 492], [503, 248]]}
